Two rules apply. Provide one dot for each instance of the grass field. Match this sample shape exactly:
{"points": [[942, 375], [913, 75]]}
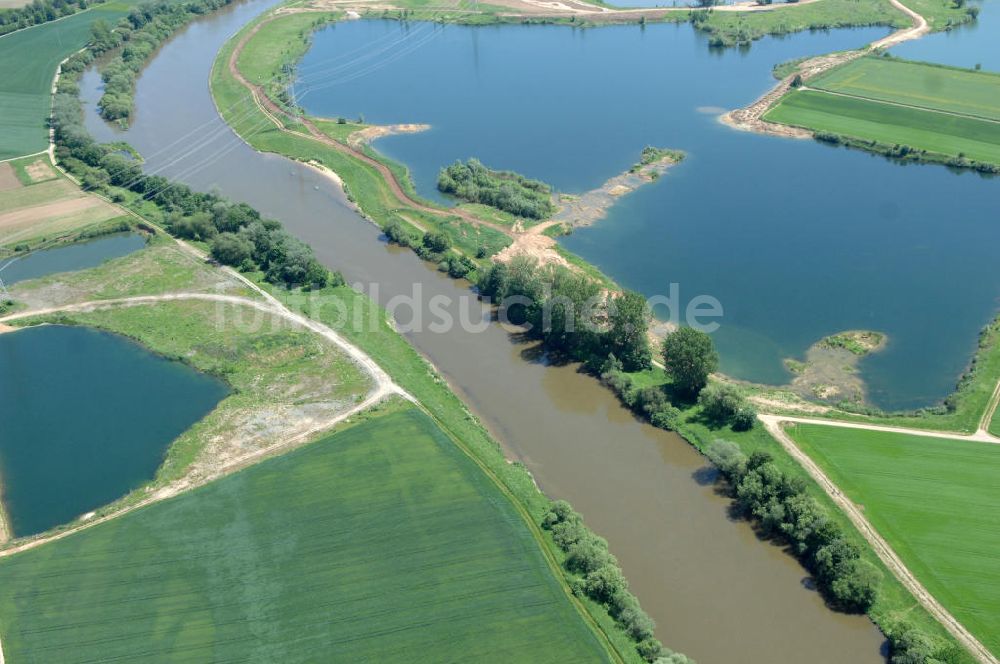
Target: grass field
{"points": [[941, 133], [936, 502], [379, 543], [962, 91], [48, 210], [28, 62]]}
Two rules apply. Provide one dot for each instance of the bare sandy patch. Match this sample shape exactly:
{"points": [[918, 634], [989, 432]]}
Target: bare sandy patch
{"points": [[6, 328], [540, 247], [39, 171], [369, 134], [8, 178]]}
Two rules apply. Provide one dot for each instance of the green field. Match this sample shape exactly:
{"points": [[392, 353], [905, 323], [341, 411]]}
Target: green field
{"points": [[963, 91], [936, 502], [28, 62], [942, 133], [379, 543]]}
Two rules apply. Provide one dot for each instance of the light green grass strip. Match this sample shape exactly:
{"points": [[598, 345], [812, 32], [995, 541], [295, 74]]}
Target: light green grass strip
{"points": [[935, 501]]}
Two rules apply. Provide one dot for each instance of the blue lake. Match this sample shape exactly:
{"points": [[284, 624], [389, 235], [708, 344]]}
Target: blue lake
{"points": [[87, 417], [797, 240], [965, 46], [70, 257]]}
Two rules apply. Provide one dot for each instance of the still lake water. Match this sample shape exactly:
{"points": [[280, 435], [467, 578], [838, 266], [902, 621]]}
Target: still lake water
{"points": [[716, 592], [70, 257], [797, 240], [87, 417], [965, 46]]}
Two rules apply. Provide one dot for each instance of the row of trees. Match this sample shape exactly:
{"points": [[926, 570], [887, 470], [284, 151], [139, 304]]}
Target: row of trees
{"points": [[902, 152], [236, 233], [504, 190], [140, 33], [783, 511], [39, 11], [597, 575]]}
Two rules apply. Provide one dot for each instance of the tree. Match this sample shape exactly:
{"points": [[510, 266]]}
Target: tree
{"points": [[436, 241], [857, 586], [689, 357], [232, 249], [629, 318]]}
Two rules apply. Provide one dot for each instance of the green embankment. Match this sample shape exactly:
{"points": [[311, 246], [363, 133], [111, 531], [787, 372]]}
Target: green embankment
{"points": [[288, 38], [903, 109], [962, 91], [26, 80], [935, 501], [382, 542]]}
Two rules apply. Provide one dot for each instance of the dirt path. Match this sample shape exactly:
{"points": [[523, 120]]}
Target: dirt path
{"points": [[274, 113], [991, 408], [981, 436], [882, 548], [750, 118]]}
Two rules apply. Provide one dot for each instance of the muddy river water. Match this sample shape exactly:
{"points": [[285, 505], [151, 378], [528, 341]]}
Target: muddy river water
{"points": [[715, 591]]}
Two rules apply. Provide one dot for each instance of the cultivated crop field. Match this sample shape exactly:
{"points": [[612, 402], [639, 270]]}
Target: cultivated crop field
{"points": [[943, 110], [877, 121], [936, 501], [379, 543], [963, 91], [26, 82]]}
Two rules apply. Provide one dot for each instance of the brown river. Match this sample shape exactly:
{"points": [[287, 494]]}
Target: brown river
{"points": [[716, 592]]}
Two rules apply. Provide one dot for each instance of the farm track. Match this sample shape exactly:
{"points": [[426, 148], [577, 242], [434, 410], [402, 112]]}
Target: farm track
{"points": [[885, 552], [991, 409]]}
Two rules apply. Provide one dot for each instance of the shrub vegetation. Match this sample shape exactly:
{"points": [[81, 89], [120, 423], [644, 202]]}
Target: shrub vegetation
{"points": [[504, 190]]}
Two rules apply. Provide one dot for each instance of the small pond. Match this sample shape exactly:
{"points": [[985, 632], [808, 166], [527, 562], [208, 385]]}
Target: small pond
{"points": [[69, 258], [86, 416]]}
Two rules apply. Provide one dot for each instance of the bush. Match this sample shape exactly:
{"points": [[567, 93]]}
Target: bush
{"points": [[745, 418], [503, 190], [588, 554], [666, 417], [721, 401]]}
